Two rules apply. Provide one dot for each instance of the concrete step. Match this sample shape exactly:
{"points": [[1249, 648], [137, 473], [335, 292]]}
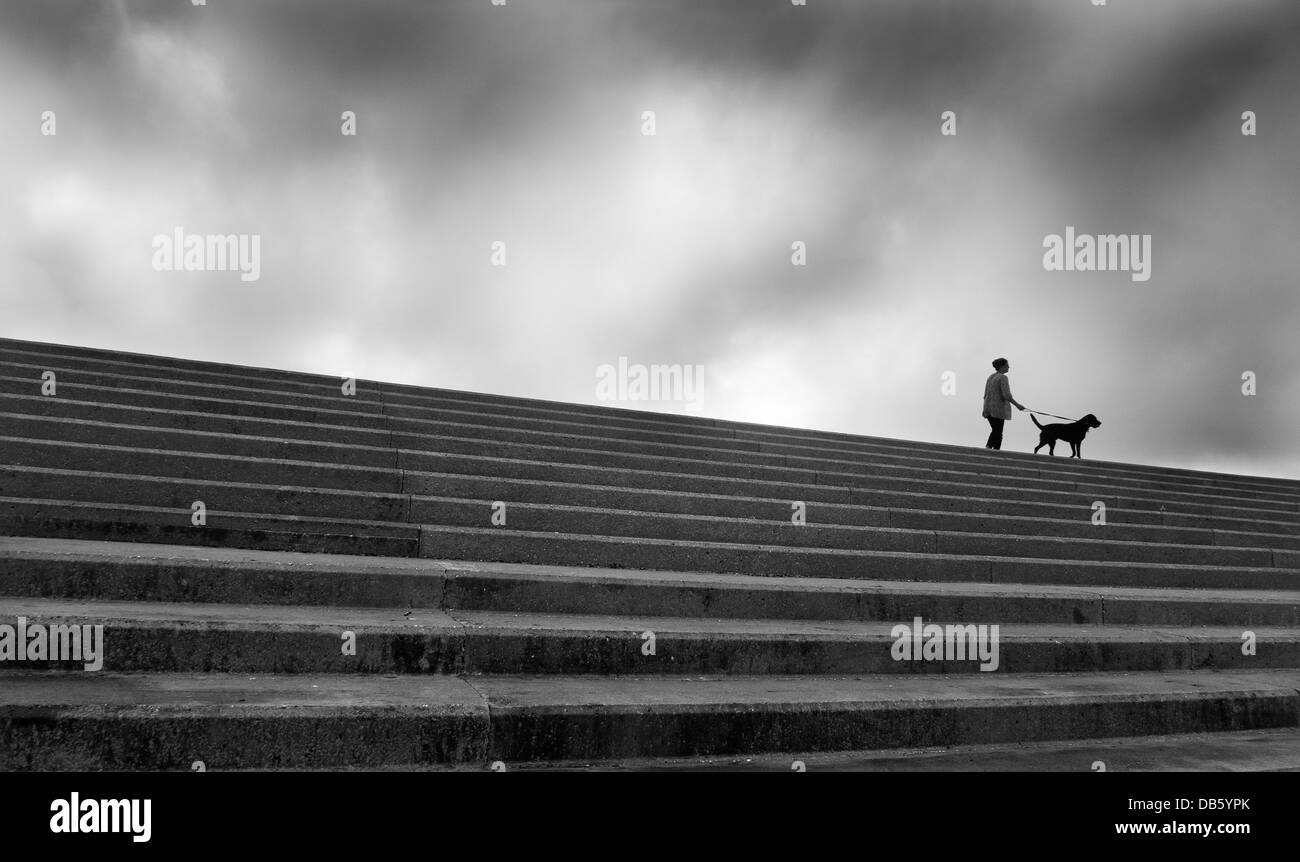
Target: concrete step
{"points": [[825, 503], [1103, 545], [524, 642], [614, 422], [118, 522], [617, 421], [674, 474], [542, 718], [883, 553], [178, 493], [103, 371], [57, 720], [592, 416], [37, 453], [282, 488], [121, 571], [517, 546], [412, 433], [213, 467], [373, 449], [44, 351], [838, 473], [54, 721], [190, 441], [936, 533], [1275, 750], [317, 425], [322, 397], [183, 638], [409, 431], [416, 434], [153, 406], [207, 466], [169, 492]]}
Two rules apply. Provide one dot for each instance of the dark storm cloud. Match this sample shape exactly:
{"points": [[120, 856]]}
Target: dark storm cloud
{"points": [[1181, 85]]}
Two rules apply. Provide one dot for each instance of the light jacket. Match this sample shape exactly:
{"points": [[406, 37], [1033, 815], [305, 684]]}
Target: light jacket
{"points": [[997, 396]]}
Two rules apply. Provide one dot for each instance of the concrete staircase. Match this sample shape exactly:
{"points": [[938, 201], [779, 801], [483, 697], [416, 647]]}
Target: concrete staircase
{"points": [[369, 517]]}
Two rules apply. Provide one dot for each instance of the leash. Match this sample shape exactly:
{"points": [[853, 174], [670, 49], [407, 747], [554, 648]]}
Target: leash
{"points": [[1053, 415]]}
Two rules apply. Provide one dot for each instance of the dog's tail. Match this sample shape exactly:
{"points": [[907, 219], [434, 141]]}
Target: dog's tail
{"points": [[1034, 419]]}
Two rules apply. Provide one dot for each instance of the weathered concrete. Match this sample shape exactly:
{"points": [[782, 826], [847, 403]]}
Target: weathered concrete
{"points": [[769, 636], [239, 445], [169, 637], [328, 396], [366, 431], [74, 396], [547, 718], [56, 721], [518, 546], [550, 517], [176, 492], [1247, 750], [126, 523], [205, 465], [178, 573], [592, 417]]}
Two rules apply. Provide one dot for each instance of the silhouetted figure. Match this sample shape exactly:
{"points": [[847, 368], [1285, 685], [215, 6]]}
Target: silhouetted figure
{"points": [[998, 401]]}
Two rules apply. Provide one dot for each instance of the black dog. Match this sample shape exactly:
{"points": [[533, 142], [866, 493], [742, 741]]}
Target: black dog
{"points": [[1072, 433]]}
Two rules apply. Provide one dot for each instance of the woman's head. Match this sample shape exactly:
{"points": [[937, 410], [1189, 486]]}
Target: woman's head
{"points": [[1002, 365]]}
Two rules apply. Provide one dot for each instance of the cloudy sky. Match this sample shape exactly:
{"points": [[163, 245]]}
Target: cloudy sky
{"points": [[774, 124]]}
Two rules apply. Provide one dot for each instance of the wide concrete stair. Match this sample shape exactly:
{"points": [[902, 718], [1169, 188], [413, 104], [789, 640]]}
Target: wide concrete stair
{"points": [[421, 578]]}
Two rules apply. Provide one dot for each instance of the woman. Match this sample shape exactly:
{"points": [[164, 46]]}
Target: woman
{"points": [[998, 401]]}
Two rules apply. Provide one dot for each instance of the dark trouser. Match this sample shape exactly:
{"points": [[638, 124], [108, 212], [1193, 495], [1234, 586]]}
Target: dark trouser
{"points": [[995, 436]]}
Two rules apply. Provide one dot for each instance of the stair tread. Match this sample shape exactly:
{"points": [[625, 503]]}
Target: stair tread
{"points": [[1234, 751], [691, 447], [53, 352], [649, 693], [1031, 515], [428, 620], [238, 692], [699, 464], [74, 550], [850, 552]]}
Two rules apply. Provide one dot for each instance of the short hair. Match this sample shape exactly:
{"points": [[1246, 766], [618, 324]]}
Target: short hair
{"points": [[998, 363]]}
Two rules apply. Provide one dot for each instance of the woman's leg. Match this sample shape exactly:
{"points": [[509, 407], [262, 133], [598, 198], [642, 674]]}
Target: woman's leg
{"points": [[995, 436]]}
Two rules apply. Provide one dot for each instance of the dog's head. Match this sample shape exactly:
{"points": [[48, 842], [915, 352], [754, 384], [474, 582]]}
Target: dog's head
{"points": [[1091, 421]]}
